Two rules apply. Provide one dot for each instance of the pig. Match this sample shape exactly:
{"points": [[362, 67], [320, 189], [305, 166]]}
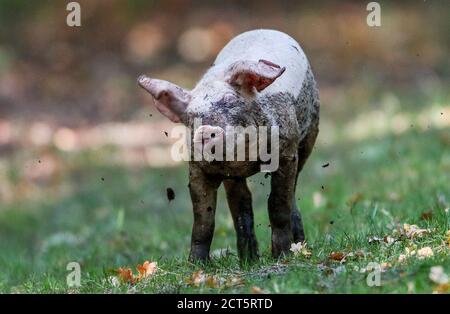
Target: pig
{"points": [[261, 78]]}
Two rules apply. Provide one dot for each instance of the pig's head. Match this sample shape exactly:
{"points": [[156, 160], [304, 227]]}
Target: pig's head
{"points": [[224, 97]]}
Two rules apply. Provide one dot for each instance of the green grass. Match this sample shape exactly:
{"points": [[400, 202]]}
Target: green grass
{"points": [[125, 219]]}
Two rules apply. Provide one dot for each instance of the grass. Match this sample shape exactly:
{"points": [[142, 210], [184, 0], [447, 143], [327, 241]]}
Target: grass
{"points": [[105, 216]]}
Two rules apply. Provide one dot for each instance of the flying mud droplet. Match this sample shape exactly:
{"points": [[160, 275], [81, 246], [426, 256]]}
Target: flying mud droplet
{"points": [[170, 194]]}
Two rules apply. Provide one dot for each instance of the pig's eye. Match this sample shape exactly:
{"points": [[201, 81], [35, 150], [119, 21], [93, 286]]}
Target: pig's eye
{"points": [[213, 135]]}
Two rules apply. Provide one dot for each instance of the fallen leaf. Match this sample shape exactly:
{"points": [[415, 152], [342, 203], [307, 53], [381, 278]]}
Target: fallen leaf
{"points": [[412, 231], [235, 281], [360, 253], [426, 215], [442, 288], [147, 269], [300, 248], [257, 290], [336, 256], [125, 275], [198, 278], [212, 282], [425, 252]]}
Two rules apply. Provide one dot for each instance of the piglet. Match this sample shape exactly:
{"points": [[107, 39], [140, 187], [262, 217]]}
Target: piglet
{"points": [[260, 80]]}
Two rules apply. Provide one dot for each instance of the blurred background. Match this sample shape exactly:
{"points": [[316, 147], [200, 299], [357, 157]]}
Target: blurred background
{"points": [[81, 146]]}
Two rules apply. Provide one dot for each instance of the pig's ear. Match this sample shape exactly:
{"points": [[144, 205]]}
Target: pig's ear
{"points": [[171, 100], [251, 74]]}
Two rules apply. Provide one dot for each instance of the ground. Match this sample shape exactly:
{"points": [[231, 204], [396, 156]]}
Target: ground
{"points": [[359, 209]]}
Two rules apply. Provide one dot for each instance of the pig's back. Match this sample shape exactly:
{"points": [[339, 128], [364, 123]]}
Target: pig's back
{"points": [[274, 46]]}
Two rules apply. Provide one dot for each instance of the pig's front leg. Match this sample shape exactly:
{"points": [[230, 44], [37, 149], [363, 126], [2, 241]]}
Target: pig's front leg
{"points": [[240, 203], [203, 191], [280, 205]]}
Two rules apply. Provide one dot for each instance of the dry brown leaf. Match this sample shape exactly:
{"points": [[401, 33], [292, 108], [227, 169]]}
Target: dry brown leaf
{"points": [[426, 215], [197, 278], [442, 288], [147, 269], [125, 275], [212, 282], [336, 256], [412, 231], [360, 253], [257, 290], [235, 281]]}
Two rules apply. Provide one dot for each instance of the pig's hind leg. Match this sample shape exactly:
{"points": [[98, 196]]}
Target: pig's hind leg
{"points": [[304, 151], [240, 202], [280, 204]]}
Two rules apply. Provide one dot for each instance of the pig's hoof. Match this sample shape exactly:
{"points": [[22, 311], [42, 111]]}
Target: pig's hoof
{"points": [[248, 256], [277, 253], [280, 245], [199, 255]]}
